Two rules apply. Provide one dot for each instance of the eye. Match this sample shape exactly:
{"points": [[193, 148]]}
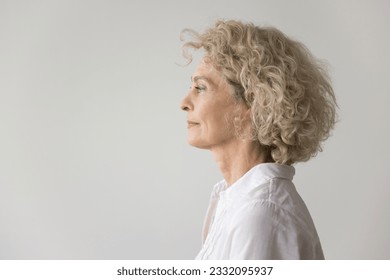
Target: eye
{"points": [[200, 89]]}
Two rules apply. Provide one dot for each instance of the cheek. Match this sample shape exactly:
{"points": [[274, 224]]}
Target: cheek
{"points": [[219, 126], [217, 120]]}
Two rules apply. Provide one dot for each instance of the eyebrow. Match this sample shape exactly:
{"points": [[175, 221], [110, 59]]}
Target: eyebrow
{"points": [[196, 78], [204, 78]]}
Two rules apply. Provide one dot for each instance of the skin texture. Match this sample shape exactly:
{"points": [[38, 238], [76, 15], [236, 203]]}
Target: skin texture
{"points": [[211, 115]]}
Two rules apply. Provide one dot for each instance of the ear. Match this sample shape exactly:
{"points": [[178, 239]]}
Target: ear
{"points": [[244, 119], [247, 114], [242, 114]]}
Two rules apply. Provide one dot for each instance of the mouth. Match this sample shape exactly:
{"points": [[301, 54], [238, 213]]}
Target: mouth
{"points": [[191, 124]]}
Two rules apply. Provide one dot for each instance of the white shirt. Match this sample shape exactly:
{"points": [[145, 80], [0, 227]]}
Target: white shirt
{"points": [[260, 216]]}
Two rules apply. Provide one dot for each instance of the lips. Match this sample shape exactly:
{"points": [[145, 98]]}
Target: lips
{"points": [[191, 124]]}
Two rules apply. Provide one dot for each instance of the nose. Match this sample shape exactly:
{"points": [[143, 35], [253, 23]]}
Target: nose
{"points": [[186, 104]]}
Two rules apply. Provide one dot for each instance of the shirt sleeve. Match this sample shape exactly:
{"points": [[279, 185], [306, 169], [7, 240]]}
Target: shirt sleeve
{"points": [[263, 231]]}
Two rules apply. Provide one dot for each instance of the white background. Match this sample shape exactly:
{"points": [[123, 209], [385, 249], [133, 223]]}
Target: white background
{"points": [[94, 162]]}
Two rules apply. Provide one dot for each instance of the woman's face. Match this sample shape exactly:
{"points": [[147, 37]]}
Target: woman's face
{"points": [[211, 109]]}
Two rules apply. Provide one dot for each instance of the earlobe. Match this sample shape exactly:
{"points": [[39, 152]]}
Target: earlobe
{"points": [[248, 114], [243, 116], [242, 123]]}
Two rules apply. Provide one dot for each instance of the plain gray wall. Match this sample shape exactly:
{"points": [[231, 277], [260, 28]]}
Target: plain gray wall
{"points": [[94, 162]]}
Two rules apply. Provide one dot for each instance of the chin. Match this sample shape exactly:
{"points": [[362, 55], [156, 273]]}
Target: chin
{"points": [[198, 144]]}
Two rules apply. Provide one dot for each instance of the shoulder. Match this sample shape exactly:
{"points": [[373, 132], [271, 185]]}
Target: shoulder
{"points": [[275, 204], [263, 230]]}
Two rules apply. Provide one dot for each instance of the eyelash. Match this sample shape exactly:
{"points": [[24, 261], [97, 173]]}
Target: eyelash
{"points": [[200, 89]]}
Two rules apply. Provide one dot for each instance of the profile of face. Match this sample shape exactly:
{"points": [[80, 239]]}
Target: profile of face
{"points": [[211, 109]]}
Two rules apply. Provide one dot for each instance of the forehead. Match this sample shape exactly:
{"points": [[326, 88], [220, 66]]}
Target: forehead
{"points": [[206, 71]]}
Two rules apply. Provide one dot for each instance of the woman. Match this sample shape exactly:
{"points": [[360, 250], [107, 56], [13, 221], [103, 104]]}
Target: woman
{"points": [[260, 102]]}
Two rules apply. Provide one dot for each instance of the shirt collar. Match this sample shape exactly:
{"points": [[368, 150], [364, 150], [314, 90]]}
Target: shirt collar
{"points": [[258, 175]]}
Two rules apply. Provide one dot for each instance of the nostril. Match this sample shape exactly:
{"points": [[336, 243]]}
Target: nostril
{"points": [[185, 104]]}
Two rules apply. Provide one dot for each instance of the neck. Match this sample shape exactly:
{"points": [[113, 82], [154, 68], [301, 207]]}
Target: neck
{"points": [[237, 158]]}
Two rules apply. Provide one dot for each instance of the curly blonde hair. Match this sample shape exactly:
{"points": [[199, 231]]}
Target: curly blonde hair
{"points": [[293, 106]]}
